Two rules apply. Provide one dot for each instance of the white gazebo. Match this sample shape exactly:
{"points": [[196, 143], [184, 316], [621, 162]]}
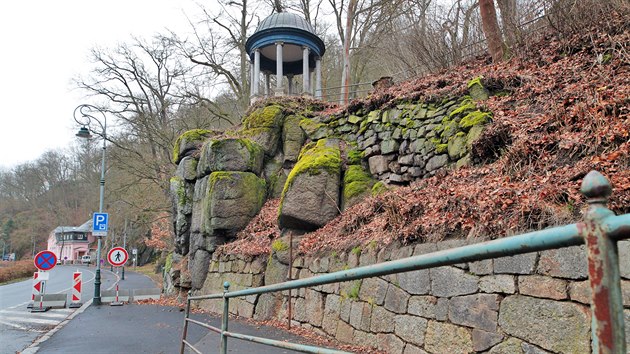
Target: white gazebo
{"points": [[285, 44]]}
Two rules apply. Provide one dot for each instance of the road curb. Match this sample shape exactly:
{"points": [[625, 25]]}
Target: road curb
{"points": [[34, 347]]}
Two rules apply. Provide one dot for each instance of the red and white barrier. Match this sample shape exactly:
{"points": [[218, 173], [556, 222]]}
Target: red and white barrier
{"points": [[76, 290], [37, 286]]}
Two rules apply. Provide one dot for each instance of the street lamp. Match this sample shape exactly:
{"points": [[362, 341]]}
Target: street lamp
{"points": [[82, 115]]}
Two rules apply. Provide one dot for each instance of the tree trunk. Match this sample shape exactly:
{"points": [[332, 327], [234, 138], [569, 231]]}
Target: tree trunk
{"points": [[491, 29], [507, 8], [345, 73]]}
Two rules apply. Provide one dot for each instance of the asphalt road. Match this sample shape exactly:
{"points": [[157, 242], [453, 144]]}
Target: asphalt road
{"points": [[19, 327]]}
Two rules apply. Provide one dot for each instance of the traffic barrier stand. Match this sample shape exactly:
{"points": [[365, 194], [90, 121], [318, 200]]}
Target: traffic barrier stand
{"points": [[76, 290], [36, 290], [41, 307], [116, 303]]}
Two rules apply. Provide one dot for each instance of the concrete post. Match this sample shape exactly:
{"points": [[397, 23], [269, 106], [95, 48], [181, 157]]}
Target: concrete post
{"points": [[267, 83], [318, 78], [305, 70], [279, 68], [290, 80], [251, 79], [256, 72]]}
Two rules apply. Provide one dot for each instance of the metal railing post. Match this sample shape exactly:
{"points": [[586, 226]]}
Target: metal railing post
{"points": [[607, 325], [181, 349], [226, 314]]}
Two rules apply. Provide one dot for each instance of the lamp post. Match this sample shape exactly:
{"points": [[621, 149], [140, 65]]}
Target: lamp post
{"points": [[82, 115]]}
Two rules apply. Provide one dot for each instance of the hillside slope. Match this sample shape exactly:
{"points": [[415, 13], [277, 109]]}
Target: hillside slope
{"points": [[560, 110]]}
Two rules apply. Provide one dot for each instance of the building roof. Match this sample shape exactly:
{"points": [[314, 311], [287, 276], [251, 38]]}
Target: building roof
{"points": [[85, 227]]}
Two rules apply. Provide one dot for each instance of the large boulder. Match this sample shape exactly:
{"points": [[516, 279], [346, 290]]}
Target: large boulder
{"points": [[310, 198], [230, 155], [189, 142], [231, 200], [263, 126], [292, 138]]}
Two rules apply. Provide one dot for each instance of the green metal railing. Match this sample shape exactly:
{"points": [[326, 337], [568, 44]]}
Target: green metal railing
{"points": [[600, 231]]}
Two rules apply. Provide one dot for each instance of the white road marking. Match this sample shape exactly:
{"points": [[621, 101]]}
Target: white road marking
{"points": [[20, 327], [31, 320], [43, 314]]}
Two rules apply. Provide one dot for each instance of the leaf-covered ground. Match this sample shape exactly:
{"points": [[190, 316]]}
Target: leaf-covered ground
{"points": [[560, 109]]}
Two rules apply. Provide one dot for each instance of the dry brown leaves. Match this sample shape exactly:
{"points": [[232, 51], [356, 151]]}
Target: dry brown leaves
{"points": [[567, 113]]}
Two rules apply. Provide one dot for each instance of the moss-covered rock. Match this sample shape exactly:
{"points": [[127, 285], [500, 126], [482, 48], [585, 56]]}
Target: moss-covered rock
{"points": [[357, 183], [314, 130], [265, 117], [187, 168], [188, 142], [475, 118], [231, 200], [457, 147], [476, 89], [263, 126], [230, 154], [292, 137], [354, 157], [311, 194]]}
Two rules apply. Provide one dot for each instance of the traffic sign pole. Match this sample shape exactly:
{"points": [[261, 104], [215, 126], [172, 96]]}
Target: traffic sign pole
{"points": [[99, 228]]}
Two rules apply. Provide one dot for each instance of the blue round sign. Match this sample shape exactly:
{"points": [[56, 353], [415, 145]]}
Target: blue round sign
{"points": [[45, 260]]}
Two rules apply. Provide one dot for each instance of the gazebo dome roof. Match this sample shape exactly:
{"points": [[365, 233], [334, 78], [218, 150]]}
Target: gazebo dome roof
{"points": [[285, 20], [287, 28]]}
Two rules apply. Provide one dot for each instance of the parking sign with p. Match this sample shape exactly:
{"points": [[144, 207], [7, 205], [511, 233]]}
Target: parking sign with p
{"points": [[99, 224]]}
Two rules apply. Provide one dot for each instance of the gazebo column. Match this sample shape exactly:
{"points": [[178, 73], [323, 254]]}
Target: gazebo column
{"points": [[279, 67], [306, 75], [256, 71], [267, 83], [251, 79], [290, 80], [318, 78]]}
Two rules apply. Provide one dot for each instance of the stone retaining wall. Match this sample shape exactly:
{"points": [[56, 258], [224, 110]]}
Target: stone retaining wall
{"points": [[531, 303]]}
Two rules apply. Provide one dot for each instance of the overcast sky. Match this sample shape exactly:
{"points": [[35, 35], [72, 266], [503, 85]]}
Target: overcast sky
{"points": [[45, 44]]}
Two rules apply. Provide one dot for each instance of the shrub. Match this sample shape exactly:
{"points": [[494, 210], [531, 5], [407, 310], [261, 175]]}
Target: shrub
{"points": [[16, 270]]}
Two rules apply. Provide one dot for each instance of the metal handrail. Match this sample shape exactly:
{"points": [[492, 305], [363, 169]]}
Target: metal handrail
{"points": [[600, 231]]}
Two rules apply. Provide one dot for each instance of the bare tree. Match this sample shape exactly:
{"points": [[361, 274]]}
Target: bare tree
{"points": [[491, 29], [217, 43]]}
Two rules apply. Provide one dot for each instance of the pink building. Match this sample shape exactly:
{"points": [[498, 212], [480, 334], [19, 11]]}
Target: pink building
{"points": [[69, 243]]}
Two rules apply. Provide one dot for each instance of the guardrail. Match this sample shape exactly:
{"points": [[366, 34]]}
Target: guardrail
{"points": [[600, 231]]}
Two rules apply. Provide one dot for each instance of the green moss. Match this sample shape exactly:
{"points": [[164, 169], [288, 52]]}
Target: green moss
{"points": [[169, 263], [475, 118], [475, 81], [279, 246], [182, 198], [353, 293], [606, 58], [254, 190], [356, 251], [379, 188], [191, 135], [310, 127], [356, 181], [441, 148], [466, 106], [355, 157], [266, 117], [314, 159]]}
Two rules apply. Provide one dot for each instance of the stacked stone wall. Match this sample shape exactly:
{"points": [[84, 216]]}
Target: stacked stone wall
{"points": [[411, 140], [530, 303]]}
